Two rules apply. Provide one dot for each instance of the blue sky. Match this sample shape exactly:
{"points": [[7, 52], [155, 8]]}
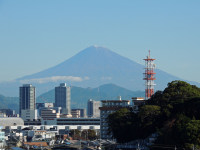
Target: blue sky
{"points": [[38, 34]]}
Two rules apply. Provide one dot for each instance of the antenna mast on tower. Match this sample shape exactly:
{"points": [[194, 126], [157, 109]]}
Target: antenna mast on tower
{"points": [[149, 76]]}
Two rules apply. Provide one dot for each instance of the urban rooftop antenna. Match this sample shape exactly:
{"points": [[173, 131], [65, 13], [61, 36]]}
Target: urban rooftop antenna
{"points": [[149, 76]]}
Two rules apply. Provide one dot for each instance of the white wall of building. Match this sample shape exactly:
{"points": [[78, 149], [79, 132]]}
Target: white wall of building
{"points": [[28, 114]]}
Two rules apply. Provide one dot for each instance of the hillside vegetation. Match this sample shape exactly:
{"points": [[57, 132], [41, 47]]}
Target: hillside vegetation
{"points": [[173, 114]]}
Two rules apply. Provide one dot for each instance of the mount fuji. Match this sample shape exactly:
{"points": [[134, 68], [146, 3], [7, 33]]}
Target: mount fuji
{"points": [[92, 67]]}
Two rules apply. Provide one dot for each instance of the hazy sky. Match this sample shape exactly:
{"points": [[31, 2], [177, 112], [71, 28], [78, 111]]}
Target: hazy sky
{"points": [[38, 34]]}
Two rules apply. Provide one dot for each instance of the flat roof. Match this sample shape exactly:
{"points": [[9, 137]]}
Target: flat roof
{"points": [[116, 101], [111, 108], [10, 121]]}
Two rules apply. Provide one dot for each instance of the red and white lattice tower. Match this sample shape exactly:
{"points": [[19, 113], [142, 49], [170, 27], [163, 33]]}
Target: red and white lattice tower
{"points": [[149, 76]]}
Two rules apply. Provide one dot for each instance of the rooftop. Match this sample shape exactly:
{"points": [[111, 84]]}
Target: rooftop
{"points": [[115, 101], [11, 121]]}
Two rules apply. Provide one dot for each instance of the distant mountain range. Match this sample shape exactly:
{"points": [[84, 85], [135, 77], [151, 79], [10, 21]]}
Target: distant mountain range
{"points": [[9, 103], [79, 96], [92, 67]]}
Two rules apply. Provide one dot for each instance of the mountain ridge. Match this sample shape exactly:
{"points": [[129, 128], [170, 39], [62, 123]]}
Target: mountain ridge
{"points": [[85, 59], [79, 96], [91, 67]]}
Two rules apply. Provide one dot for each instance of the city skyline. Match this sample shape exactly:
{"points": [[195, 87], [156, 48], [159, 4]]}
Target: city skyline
{"points": [[33, 33]]}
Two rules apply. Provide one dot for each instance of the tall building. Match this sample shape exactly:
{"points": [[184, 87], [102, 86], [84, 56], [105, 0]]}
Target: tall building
{"points": [[108, 107], [93, 108], [63, 98], [27, 108]]}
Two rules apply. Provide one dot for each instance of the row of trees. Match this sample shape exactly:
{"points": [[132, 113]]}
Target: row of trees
{"points": [[173, 113], [84, 134]]}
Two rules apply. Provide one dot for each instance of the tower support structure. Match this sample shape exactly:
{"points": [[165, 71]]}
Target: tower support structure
{"points": [[149, 76]]}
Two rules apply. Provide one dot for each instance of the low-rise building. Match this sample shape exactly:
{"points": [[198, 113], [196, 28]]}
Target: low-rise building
{"points": [[44, 132], [39, 135], [78, 121], [82, 112], [28, 114], [8, 112], [72, 121], [40, 106], [76, 113], [33, 122], [136, 102], [49, 114], [11, 121]]}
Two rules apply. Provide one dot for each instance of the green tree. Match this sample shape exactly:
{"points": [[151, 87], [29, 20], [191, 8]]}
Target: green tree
{"points": [[173, 113], [126, 125], [75, 134], [92, 135], [149, 118], [148, 113], [180, 90], [121, 124], [192, 132]]}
